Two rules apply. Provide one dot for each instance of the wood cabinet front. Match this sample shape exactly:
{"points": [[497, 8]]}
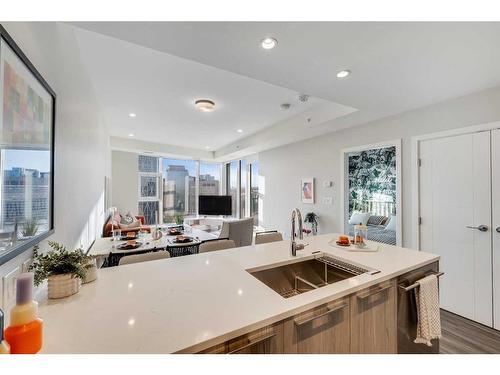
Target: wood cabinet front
{"points": [[322, 330], [374, 319], [267, 340], [364, 322]]}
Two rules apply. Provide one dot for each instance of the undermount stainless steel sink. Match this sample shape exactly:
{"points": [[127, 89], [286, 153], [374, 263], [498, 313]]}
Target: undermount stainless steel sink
{"points": [[299, 277]]}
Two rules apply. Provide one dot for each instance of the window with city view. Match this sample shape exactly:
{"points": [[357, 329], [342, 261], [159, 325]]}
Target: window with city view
{"points": [[254, 192], [149, 189], [169, 188], [26, 130], [179, 189], [25, 191], [210, 174], [232, 184]]}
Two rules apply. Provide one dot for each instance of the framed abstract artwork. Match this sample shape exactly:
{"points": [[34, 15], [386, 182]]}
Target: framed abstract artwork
{"points": [[307, 190], [27, 123]]}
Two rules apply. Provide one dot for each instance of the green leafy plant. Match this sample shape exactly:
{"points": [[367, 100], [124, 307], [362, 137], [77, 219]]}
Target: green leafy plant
{"points": [[371, 172], [312, 219], [59, 261], [179, 219], [30, 228]]}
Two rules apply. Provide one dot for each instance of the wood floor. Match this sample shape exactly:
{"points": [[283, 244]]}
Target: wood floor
{"points": [[463, 336]]}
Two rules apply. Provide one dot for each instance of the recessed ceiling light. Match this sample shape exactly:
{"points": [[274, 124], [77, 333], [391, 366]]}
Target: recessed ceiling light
{"points": [[343, 73], [240, 130], [204, 105], [132, 114], [207, 147], [268, 43], [131, 134]]}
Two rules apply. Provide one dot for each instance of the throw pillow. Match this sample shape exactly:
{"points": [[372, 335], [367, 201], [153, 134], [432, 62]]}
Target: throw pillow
{"points": [[359, 218], [127, 219], [376, 220], [135, 224], [392, 225]]}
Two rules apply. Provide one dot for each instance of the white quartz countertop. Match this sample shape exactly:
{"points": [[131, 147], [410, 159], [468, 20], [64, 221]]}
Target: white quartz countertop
{"points": [[196, 301]]}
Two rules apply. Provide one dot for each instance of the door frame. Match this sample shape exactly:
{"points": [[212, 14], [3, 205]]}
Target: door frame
{"points": [[399, 183], [415, 172]]}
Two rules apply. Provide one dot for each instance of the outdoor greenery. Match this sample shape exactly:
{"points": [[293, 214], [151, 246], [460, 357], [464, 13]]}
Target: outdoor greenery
{"points": [[59, 261]]}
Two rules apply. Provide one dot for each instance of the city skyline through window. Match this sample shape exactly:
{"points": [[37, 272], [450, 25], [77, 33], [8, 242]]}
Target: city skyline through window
{"points": [[25, 192], [179, 189]]}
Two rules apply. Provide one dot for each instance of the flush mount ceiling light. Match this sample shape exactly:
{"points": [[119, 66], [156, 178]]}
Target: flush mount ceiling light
{"points": [[343, 74], [240, 130], [132, 114], [131, 134], [268, 43], [204, 105]]}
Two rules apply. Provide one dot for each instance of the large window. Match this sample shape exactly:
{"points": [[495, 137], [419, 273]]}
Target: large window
{"points": [[25, 191], [242, 184], [232, 177], [210, 179], [179, 189], [243, 188], [26, 153], [169, 188], [254, 192], [149, 188]]}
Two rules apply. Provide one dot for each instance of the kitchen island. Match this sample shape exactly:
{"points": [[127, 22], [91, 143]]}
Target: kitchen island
{"points": [[210, 302]]}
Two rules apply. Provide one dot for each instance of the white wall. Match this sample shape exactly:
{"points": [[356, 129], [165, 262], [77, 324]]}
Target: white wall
{"points": [[124, 181], [82, 143], [282, 168]]}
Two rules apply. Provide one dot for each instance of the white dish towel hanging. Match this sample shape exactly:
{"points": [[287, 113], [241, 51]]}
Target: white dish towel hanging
{"points": [[429, 319]]}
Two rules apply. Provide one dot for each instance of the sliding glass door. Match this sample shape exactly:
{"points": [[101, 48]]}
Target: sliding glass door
{"points": [[371, 192]]}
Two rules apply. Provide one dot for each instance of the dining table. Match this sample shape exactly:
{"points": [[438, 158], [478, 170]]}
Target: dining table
{"points": [[108, 250]]}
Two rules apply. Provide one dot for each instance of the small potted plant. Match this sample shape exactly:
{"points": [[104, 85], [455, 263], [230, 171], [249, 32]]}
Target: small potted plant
{"points": [[64, 270], [30, 228], [312, 219]]}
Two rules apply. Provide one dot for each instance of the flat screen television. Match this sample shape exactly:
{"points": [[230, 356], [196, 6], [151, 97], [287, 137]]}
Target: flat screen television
{"points": [[214, 205]]}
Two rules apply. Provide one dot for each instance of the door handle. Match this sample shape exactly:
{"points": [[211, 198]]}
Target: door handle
{"points": [[498, 229], [481, 228]]}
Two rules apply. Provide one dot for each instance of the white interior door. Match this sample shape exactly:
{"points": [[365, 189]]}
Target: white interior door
{"points": [[455, 199], [495, 176]]}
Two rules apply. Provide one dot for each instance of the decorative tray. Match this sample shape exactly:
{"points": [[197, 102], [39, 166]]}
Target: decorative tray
{"points": [[352, 247]]}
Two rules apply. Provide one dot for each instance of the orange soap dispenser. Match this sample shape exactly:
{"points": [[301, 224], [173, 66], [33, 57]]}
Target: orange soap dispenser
{"points": [[24, 333]]}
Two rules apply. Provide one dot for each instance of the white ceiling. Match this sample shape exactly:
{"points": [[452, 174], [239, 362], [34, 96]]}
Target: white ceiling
{"points": [[161, 90], [396, 67]]}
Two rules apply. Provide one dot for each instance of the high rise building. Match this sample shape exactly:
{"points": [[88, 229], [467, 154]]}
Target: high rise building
{"points": [[25, 197], [209, 185]]}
